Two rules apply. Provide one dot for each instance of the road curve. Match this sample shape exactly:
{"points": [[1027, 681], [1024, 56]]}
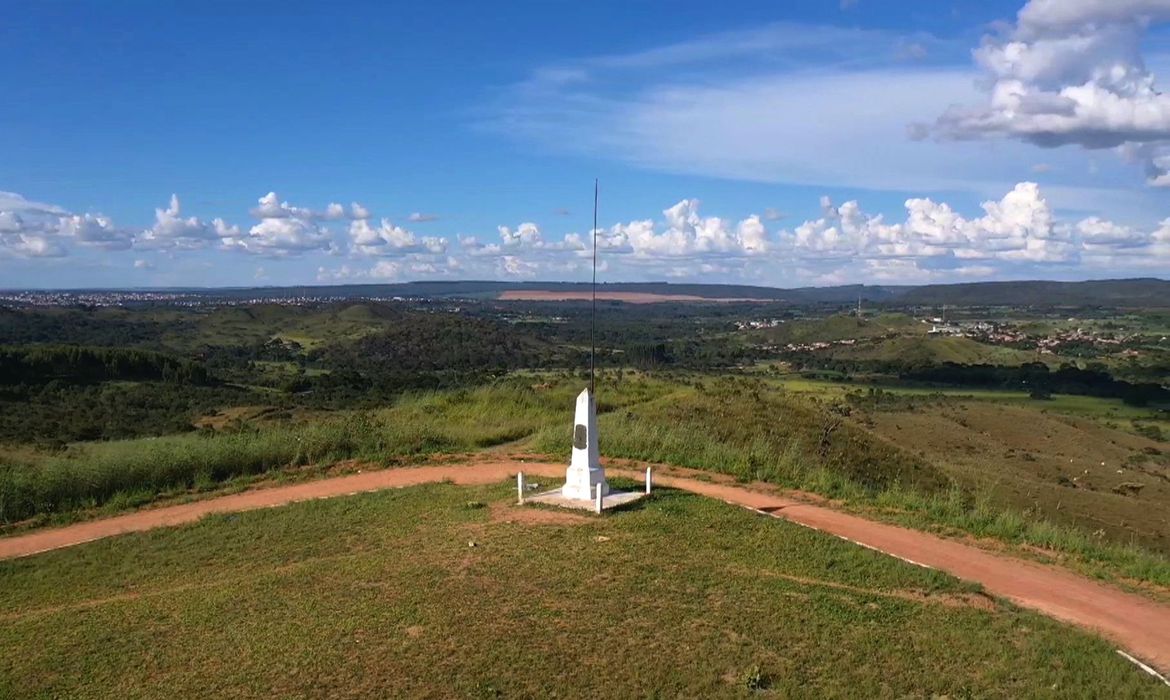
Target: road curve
{"points": [[1139, 625]]}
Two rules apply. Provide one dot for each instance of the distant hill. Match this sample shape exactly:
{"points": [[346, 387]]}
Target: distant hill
{"points": [[1144, 292], [841, 327], [1126, 292], [1129, 292], [485, 289], [935, 350]]}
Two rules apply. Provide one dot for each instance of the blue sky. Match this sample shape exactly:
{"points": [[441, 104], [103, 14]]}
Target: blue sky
{"points": [[773, 143]]}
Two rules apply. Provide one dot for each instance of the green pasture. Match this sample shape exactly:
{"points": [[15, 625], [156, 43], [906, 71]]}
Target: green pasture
{"points": [[445, 591]]}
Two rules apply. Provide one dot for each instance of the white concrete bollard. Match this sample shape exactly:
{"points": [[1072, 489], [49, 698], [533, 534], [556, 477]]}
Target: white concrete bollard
{"points": [[520, 488], [647, 479], [599, 499]]}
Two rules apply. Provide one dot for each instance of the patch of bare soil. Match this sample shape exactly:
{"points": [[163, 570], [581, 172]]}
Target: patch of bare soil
{"points": [[980, 601]]}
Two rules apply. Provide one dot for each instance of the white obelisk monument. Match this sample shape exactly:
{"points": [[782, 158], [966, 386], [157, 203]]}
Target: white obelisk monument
{"points": [[585, 472], [585, 484]]}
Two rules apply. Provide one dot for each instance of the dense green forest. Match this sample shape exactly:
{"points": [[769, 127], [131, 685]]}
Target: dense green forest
{"points": [[85, 365]]}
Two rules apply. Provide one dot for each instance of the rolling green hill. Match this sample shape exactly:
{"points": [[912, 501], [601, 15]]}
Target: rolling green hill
{"points": [[452, 591], [933, 350], [1128, 292], [842, 327]]}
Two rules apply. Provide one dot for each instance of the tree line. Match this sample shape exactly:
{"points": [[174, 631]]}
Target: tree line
{"points": [[86, 365], [1040, 380]]}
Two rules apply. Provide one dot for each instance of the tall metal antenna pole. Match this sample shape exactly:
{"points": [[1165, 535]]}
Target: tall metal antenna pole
{"points": [[593, 315]]}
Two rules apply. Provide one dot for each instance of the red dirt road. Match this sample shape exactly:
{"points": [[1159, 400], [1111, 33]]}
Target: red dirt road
{"points": [[1139, 625]]}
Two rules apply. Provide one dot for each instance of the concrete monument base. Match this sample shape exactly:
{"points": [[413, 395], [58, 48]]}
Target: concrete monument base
{"points": [[614, 499], [585, 485]]}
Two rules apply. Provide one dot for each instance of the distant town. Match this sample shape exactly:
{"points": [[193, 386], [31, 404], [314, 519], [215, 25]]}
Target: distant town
{"points": [[103, 298]]}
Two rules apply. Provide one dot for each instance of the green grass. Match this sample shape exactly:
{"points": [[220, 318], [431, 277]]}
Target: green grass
{"points": [[380, 595], [935, 349], [734, 428], [91, 475], [772, 437], [744, 428], [1073, 405], [982, 516], [842, 327], [287, 368]]}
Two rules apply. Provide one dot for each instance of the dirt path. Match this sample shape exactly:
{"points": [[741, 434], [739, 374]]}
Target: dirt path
{"points": [[1139, 625]]}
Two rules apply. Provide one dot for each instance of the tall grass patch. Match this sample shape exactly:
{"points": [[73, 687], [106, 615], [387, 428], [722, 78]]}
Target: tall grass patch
{"points": [[752, 433], [979, 515], [93, 474]]}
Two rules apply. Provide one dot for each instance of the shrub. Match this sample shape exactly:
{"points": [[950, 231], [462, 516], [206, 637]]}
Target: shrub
{"points": [[754, 679]]}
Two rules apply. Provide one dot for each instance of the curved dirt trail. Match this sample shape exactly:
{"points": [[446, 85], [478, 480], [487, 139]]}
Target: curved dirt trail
{"points": [[1139, 625]]}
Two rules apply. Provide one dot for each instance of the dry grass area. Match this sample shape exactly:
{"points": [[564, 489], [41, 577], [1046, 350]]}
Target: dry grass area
{"points": [[445, 591], [1069, 470]]}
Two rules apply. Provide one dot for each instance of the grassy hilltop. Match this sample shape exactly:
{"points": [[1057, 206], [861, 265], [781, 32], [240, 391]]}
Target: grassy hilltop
{"points": [[749, 428], [382, 595]]}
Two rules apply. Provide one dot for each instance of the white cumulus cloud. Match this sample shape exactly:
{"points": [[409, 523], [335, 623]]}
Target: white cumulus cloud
{"points": [[38, 230], [1018, 229], [270, 207], [282, 237], [514, 266], [686, 233], [389, 240], [172, 230], [1072, 72]]}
